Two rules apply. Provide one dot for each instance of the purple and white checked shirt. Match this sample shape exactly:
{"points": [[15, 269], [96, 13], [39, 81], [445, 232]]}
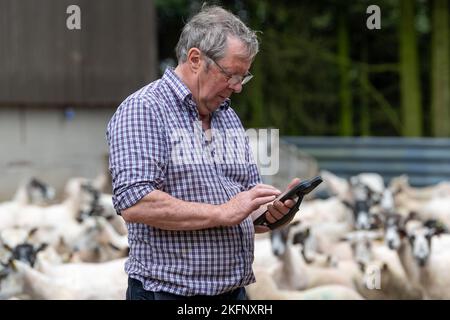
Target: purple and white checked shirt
{"points": [[145, 152]]}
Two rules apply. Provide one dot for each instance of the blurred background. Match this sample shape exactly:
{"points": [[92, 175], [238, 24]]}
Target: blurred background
{"points": [[321, 72], [346, 99]]}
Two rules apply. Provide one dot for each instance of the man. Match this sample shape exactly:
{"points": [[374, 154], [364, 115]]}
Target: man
{"points": [[188, 213]]}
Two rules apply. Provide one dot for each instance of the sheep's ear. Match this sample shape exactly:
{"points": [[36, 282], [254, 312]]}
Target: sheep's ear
{"points": [[412, 216], [43, 246], [295, 223], [378, 221], [300, 237], [31, 233], [430, 223], [7, 247], [113, 246], [347, 204], [436, 226], [402, 232], [12, 264]]}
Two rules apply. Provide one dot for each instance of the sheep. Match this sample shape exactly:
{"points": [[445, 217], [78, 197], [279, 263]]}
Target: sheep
{"points": [[98, 243], [360, 193], [294, 274], [426, 269], [30, 216], [263, 255], [342, 187], [74, 281], [323, 239], [328, 210], [265, 288], [382, 282], [101, 205], [32, 192], [400, 185], [94, 240]]}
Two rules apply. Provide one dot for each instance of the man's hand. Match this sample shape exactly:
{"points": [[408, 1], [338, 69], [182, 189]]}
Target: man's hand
{"points": [[277, 209], [244, 203]]}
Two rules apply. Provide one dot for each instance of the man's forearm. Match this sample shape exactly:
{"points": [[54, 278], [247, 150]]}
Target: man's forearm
{"points": [[160, 210]]}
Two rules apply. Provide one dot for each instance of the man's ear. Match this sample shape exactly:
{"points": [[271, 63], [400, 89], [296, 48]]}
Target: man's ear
{"points": [[194, 59]]}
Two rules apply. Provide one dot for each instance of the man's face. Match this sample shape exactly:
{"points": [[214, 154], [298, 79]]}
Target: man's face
{"points": [[213, 86]]}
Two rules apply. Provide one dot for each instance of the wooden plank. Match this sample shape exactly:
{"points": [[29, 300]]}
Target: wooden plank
{"points": [[41, 61]]}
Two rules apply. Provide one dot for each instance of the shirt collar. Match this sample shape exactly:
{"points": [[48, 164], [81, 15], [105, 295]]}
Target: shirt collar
{"points": [[183, 93]]}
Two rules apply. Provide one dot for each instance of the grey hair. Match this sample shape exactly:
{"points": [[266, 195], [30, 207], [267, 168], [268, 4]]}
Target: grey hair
{"points": [[208, 31]]}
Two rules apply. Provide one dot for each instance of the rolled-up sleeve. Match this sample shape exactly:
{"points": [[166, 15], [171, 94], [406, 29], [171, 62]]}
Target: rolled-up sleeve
{"points": [[137, 152]]}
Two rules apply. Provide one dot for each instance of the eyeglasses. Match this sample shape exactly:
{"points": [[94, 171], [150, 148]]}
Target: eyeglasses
{"points": [[234, 79]]}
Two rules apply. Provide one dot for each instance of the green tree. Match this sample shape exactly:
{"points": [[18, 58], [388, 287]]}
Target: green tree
{"points": [[345, 90], [440, 68], [409, 72]]}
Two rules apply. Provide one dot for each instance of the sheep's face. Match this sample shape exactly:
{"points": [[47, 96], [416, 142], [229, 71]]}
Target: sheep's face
{"points": [[361, 244], [420, 241], [39, 192], [278, 239], [27, 253], [89, 202], [392, 232], [360, 196]]}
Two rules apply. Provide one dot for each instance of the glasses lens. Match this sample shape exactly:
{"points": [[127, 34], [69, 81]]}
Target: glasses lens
{"points": [[234, 80]]}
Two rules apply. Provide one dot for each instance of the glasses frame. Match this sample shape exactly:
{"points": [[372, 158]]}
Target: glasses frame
{"points": [[237, 78]]}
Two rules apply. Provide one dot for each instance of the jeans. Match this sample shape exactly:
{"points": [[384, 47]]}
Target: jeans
{"points": [[135, 291]]}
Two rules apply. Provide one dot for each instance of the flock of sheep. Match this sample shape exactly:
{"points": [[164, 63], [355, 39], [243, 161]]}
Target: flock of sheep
{"points": [[70, 250], [363, 241]]}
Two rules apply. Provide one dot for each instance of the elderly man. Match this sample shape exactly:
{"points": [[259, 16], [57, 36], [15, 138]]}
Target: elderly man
{"points": [[189, 225]]}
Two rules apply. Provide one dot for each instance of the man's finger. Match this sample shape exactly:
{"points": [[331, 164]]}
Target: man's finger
{"points": [[277, 215], [289, 203], [259, 201], [258, 193], [261, 229], [293, 183], [280, 207]]}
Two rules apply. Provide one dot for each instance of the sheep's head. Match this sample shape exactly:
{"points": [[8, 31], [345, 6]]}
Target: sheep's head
{"points": [[393, 229], [419, 236], [280, 238], [39, 192]]}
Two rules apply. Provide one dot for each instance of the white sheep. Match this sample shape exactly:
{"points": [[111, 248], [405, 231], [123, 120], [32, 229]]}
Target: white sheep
{"points": [[425, 269], [75, 281], [265, 288], [294, 274]]}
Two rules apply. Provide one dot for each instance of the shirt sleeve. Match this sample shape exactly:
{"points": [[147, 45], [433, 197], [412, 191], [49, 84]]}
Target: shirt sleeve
{"points": [[137, 152]]}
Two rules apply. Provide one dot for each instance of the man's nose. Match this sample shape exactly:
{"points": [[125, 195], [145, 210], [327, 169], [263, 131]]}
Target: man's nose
{"points": [[236, 87]]}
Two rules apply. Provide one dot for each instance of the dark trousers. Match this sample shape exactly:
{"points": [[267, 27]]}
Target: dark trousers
{"points": [[135, 291]]}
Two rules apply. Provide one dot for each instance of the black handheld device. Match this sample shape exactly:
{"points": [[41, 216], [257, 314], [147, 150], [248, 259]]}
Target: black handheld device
{"points": [[298, 191]]}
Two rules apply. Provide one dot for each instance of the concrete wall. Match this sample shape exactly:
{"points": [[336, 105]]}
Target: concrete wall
{"points": [[52, 144]]}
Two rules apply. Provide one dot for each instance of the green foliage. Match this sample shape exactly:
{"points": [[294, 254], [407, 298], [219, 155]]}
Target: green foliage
{"points": [[317, 76]]}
